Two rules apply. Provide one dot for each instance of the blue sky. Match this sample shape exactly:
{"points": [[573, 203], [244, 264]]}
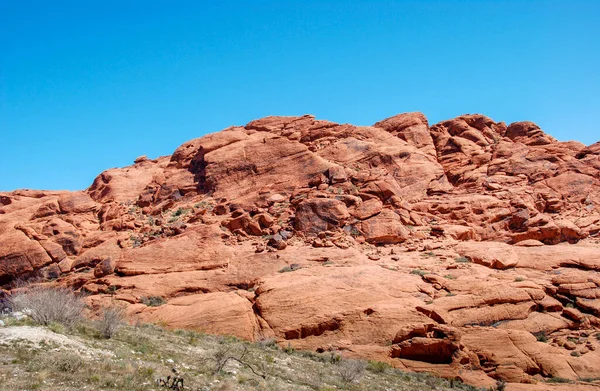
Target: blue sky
{"points": [[90, 85]]}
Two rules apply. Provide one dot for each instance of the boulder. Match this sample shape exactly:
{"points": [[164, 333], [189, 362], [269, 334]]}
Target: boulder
{"points": [[384, 228]]}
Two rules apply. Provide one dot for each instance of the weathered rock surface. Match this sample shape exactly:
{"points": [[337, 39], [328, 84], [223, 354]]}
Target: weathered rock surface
{"points": [[468, 248]]}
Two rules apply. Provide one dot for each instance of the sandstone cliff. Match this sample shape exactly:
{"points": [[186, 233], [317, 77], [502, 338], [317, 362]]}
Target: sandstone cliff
{"points": [[468, 248]]}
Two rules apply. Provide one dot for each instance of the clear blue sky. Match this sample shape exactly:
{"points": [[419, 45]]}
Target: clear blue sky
{"points": [[90, 85]]}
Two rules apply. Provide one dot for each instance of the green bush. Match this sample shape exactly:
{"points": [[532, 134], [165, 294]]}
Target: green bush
{"points": [[152, 301], [377, 366]]}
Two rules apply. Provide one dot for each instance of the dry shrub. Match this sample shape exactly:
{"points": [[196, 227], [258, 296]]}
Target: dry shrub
{"points": [[351, 370], [49, 305], [111, 320]]}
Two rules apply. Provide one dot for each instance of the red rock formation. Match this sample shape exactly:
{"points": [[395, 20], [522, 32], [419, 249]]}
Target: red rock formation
{"points": [[456, 249]]}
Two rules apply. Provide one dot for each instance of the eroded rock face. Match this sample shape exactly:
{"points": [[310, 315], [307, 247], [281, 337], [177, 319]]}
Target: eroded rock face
{"points": [[468, 248]]}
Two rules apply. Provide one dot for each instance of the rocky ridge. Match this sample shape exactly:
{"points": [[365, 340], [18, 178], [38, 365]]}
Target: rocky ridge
{"points": [[468, 248]]}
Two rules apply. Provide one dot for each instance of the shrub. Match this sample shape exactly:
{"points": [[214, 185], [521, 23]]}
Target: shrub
{"points": [[67, 362], [152, 301], [351, 370], [268, 343], [558, 380], [418, 272], [289, 349], [377, 366], [462, 259], [49, 305], [110, 321], [290, 268], [541, 337]]}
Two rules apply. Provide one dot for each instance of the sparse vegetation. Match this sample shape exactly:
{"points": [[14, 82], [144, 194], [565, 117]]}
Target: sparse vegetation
{"points": [[462, 259], [500, 385], [351, 371], [49, 305], [152, 301], [519, 279], [541, 337], [378, 366], [418, 272], [179, 212], [111, 320], [290, 268], [94, 356], [558, 380], [589, 379]]}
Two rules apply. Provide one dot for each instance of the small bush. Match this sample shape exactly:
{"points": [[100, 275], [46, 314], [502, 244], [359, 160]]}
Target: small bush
{"points": [[351, 371], [268, 343], [462, 259], [519, 279], [377, 366], [575, 353], [179, 212], [541, 337], [290, 268], [110, 321], [67, 362], [418, 272], [49, 305], [152, 301], [558, 380], [56, 327], [289, 349], [335, 358]]}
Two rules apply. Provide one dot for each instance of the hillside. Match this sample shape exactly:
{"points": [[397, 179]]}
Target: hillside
{"points": [[138, 358], [468, 248]]}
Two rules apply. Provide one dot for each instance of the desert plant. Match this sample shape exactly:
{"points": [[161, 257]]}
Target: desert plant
{"points": [[541, 337], [67, 362], [111, 320], [226, 353], [377, 366], [152, 301], [351, 371], [49, 305], [290, 268], [462, 259], [558, 380]]}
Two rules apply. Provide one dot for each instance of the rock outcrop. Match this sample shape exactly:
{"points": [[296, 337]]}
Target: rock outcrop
{"points": [[468, 248]]}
